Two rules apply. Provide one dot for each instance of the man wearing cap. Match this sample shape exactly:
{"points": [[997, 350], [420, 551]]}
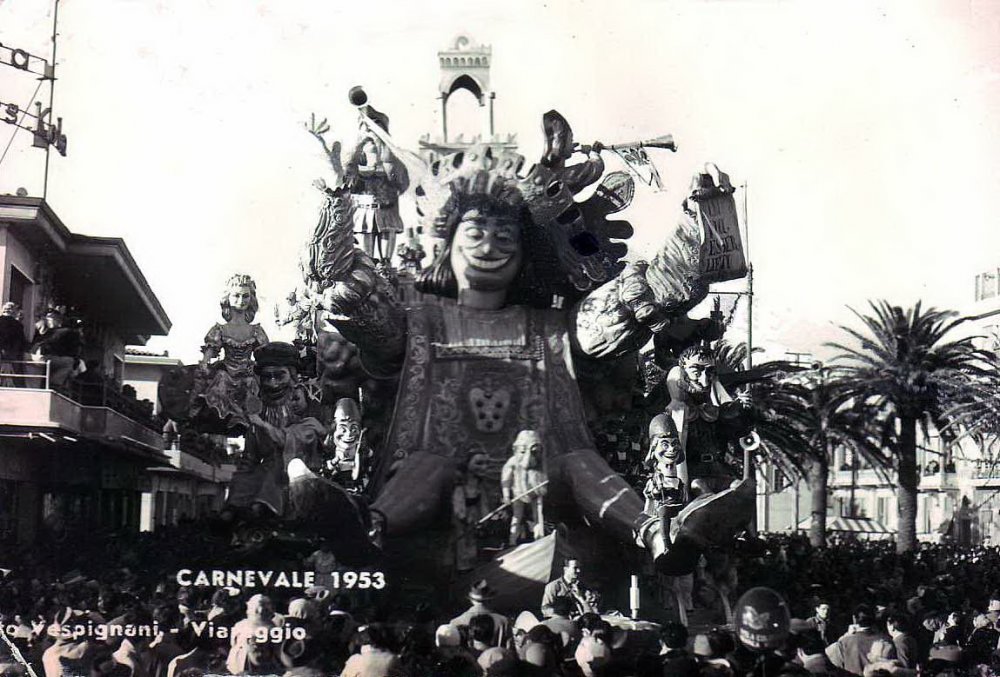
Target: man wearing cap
{"points": [[278, 434], [480, 594], [993, 613]]}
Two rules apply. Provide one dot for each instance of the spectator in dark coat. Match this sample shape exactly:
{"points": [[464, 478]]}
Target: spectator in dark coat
{"points": [[907, 647]]}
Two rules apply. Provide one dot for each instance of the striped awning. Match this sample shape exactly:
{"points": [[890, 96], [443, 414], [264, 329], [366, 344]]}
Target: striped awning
{"points": [[854, 525]]}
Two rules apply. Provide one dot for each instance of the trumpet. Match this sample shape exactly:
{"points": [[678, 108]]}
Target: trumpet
{"points": [[666, 141]]}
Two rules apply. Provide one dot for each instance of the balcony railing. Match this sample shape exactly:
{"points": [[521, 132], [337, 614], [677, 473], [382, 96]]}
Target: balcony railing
{"points": [[986, 470], [37, 376]]}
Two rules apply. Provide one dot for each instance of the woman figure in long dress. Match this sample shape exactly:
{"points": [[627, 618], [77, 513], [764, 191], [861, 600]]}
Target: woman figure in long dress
{"points": [[226, 362]]}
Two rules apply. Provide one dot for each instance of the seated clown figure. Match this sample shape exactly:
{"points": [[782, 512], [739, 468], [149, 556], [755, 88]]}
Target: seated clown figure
{"points": [[664, 490], [519, 299], [345, 443]]}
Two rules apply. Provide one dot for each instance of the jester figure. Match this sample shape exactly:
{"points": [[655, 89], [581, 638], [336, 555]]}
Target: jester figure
{"points": [[527, 285], [664, 490]]}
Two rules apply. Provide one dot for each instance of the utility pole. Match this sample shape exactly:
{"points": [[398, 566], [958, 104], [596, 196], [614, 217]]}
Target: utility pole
{"points": [[52, 92]]}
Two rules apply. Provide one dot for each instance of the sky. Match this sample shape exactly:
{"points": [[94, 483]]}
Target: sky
{"points": [[866, 132]]}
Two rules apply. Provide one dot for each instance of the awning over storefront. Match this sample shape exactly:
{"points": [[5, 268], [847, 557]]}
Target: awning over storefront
{"points": [[854, 525]]}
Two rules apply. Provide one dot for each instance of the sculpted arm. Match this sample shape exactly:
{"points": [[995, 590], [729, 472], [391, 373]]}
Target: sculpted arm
{"points": [[644, 299], [350, 294]]}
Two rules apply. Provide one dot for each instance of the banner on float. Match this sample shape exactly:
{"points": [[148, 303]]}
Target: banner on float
{"points": [[722, 255]]}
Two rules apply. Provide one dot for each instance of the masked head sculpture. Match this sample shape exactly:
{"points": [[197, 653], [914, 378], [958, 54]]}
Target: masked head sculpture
{"points": [[527, 282]]}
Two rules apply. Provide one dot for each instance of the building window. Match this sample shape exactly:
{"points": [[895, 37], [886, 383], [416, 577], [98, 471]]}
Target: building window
{"points": [[882, 509]]}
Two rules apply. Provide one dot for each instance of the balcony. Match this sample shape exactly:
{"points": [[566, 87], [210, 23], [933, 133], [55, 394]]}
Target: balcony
{"points": [[28, 402], [866, 477], [987, 471], [192, 465]]}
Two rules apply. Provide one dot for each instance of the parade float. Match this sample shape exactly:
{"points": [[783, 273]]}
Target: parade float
{"points": [[436, 420]]}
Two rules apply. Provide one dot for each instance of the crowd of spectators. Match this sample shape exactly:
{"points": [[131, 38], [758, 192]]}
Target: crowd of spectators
{"points": [[851, 608]]}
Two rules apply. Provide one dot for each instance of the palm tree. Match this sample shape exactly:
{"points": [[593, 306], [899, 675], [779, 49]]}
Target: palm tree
{"points": [[905, 373], [814, 406], [802, 418]]}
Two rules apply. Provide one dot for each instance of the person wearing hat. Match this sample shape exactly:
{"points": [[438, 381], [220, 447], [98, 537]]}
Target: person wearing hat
{"points": [[664, 490], [451, 650], [479, 595], [376, 178], [561, 623], [993, 613], [277, 435], [982, 641], [58, 344], [246, 651]]}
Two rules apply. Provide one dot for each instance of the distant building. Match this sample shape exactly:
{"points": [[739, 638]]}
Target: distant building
{"points": [[465, 65], [194, 484]]}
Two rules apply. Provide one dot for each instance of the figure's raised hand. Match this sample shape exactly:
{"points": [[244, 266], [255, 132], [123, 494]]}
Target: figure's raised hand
{"points": [[317, 129]]}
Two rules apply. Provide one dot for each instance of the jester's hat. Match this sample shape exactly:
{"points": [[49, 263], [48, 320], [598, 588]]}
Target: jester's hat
{"points": [[580, 235]]}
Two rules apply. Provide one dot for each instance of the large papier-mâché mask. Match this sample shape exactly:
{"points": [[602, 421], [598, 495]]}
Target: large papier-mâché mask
{"points": [[486, 251]]}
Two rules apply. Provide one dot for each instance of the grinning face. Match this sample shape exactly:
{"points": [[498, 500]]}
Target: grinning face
{"points": [[486, 252], [346, 432], [666, 449], [239, 297]]}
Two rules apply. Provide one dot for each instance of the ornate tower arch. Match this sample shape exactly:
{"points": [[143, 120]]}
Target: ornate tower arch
{"points": [[465, 64]]}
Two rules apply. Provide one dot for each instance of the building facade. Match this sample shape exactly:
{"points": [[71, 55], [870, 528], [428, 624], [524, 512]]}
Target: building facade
{"points": [[193, 483], [74, 451]]}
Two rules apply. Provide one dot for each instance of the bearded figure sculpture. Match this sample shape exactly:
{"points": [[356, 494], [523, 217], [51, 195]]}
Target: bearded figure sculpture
{"points": [[527, 282], [523, 483], [277, 435], [713, 428]]}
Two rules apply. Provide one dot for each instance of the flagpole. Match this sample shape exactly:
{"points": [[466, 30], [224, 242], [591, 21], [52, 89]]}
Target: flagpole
{"points": [[749, 292]]}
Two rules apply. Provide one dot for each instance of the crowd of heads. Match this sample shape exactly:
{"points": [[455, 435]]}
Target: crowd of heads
{"points": [[852, 607]]}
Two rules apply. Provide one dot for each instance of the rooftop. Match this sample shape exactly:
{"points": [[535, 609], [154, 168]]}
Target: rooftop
{"points": [[95, 274]]}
